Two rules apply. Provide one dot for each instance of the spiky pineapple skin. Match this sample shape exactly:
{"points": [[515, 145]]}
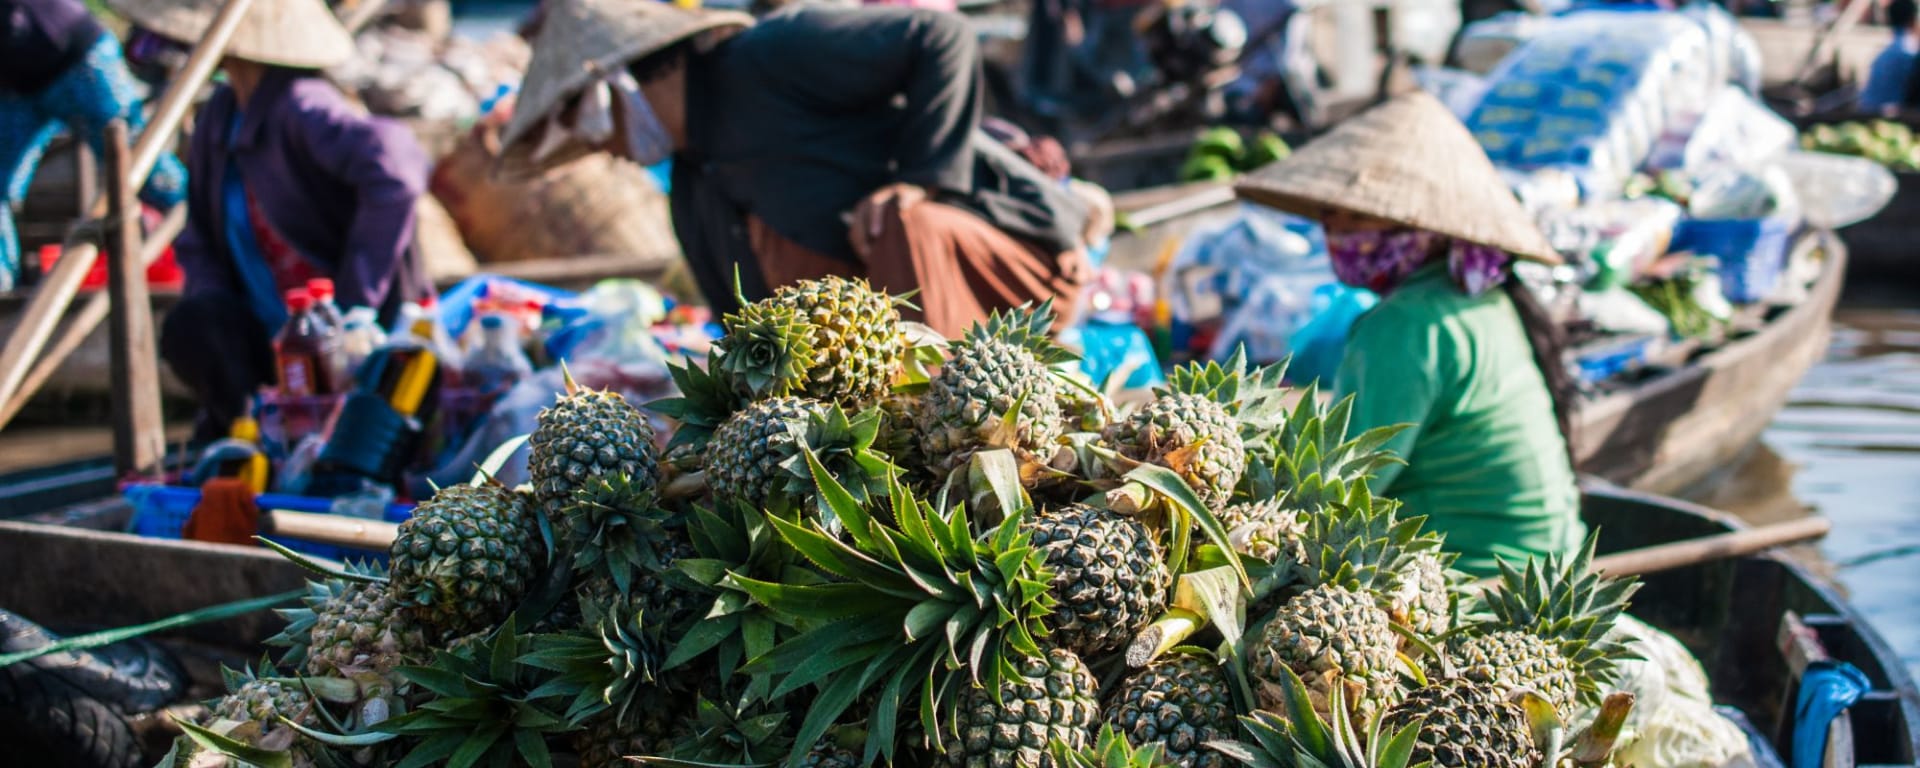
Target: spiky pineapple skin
{"points": [[1466, 725], [967, 404], [1052, 698], [1156, 431], [743, 460], [1266, 530], [1516, 660], [1181, 702], [1108, 576], [856, 338], [257, 706], [608, 740], [1418, 596], [663, 605], [899, 436], [1325, 634], [362, 628], [829, 756], [465, 558], [583, 435]]}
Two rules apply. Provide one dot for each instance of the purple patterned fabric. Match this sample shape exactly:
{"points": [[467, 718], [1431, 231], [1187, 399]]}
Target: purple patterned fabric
{"points": [[1380, 260]]}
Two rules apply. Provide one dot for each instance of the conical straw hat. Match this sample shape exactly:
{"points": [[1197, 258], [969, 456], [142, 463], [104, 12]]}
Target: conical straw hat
{"points": [[288, 33], [580, 39], [1408, 161]]}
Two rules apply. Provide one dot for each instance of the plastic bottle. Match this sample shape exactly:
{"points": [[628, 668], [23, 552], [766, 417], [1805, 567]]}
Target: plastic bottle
{"points": [[255, 470], [497, 362], [339, 368], [302, 349], [360, 336]]}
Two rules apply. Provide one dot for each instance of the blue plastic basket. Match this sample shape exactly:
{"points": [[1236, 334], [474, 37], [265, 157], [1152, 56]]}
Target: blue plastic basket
{"points": [[161, 511], [1752, 252]]}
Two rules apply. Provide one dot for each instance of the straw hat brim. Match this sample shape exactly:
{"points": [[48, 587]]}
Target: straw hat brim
{"points": [[302, 34], [582, 39], [1409, 162]]}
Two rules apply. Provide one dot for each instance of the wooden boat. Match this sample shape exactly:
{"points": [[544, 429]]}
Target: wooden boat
{"points": [[67, 577], [1664, 433]]}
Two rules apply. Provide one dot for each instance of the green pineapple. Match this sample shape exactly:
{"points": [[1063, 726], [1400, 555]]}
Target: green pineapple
{"points": [[619, 534], [362, 629], [1266, 530], [1330, 636], [1420, 596], [1547, 629], [1305, 459], [1466, 725], [830, 339], [1341, 626], [830, 755], [610, 738], [256, 709], [463, 561], [1109, 580], [475, 689], [1180, 703], [585, 434], [1049, 699], [994, 391], [754, 457], [1191, 427]]}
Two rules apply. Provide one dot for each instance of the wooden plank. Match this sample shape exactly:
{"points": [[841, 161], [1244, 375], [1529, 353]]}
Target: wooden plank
{"points": [[50, 303], [139, 429], [89, 318]]}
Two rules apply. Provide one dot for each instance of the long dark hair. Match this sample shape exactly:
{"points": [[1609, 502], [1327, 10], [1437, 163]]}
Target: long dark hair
{"points": [[1549, 344]]}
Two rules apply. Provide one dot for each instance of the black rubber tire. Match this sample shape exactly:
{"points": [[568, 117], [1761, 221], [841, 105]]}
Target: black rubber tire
{"points": [[131, 677], [49, 722], [68, 710]]}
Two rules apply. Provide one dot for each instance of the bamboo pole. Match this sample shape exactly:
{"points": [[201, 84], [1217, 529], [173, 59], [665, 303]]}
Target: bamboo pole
{"points": [[337, 530], [89, 317], [139, 429], [50, 302]]}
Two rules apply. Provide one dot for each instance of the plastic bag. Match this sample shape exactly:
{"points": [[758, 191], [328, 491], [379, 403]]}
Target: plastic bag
{"points": [[1836, 190], [1673, 723], [1734, 131], [1617, 310], [1320, 344], [611, 321]]}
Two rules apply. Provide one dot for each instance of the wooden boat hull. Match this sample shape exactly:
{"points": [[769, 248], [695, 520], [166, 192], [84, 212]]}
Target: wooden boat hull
{"points": [[1728, 613], [1663, 435], [1673, 431]]}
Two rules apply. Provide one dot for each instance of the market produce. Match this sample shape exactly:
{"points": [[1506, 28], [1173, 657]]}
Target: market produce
{"points": [[1221, 154], [1887, 142], [786, 592]]}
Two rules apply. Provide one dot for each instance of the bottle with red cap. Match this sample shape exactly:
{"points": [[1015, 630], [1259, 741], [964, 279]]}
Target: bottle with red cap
{"points": [[303, 349], [338, 368], [324, 305]]}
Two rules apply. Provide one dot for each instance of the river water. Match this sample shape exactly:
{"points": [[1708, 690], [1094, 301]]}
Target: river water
{"points": [[1848, 447]]}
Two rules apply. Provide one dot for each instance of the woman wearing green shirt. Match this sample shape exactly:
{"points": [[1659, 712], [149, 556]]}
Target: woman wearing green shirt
{"points": [[1457, 350]]}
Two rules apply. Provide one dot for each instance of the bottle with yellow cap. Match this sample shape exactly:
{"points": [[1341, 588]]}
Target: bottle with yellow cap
{"points": [[255, 469]]}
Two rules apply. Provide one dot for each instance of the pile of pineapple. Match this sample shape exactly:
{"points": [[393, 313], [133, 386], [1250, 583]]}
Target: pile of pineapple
{"points": [[866, 544]]}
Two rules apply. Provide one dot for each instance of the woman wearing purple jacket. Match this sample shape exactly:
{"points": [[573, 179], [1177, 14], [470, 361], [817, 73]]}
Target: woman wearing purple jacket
{"points": [[289, 181]]}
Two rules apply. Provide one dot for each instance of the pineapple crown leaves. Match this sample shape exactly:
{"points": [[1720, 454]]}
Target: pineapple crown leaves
{"points": [[1109, 750], [1310, 460], [706, 400], [844, 446], [1027, 327], [1300, 737], [1361, 543], [922, 610], [614, 520], [734, 539], [604, 668], [733, 734], [767, 351], [483, 711], [1565, 603]]}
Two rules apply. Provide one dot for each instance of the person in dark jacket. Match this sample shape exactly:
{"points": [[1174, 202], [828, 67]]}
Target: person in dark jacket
{"points": [[820, 141], [60, 68], [290, 182]]}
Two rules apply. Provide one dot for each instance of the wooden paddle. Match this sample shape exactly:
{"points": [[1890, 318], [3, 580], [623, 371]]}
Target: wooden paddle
{"points": [[1679, 554], [374, 535]]}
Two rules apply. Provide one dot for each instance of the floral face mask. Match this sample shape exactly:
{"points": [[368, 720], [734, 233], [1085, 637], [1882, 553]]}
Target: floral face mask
{"points": [[1380, 260]]}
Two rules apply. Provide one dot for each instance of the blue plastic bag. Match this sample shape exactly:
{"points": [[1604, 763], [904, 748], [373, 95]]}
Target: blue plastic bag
{"points": [[1107, 347], [1827, 689], [1319, 345]]}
